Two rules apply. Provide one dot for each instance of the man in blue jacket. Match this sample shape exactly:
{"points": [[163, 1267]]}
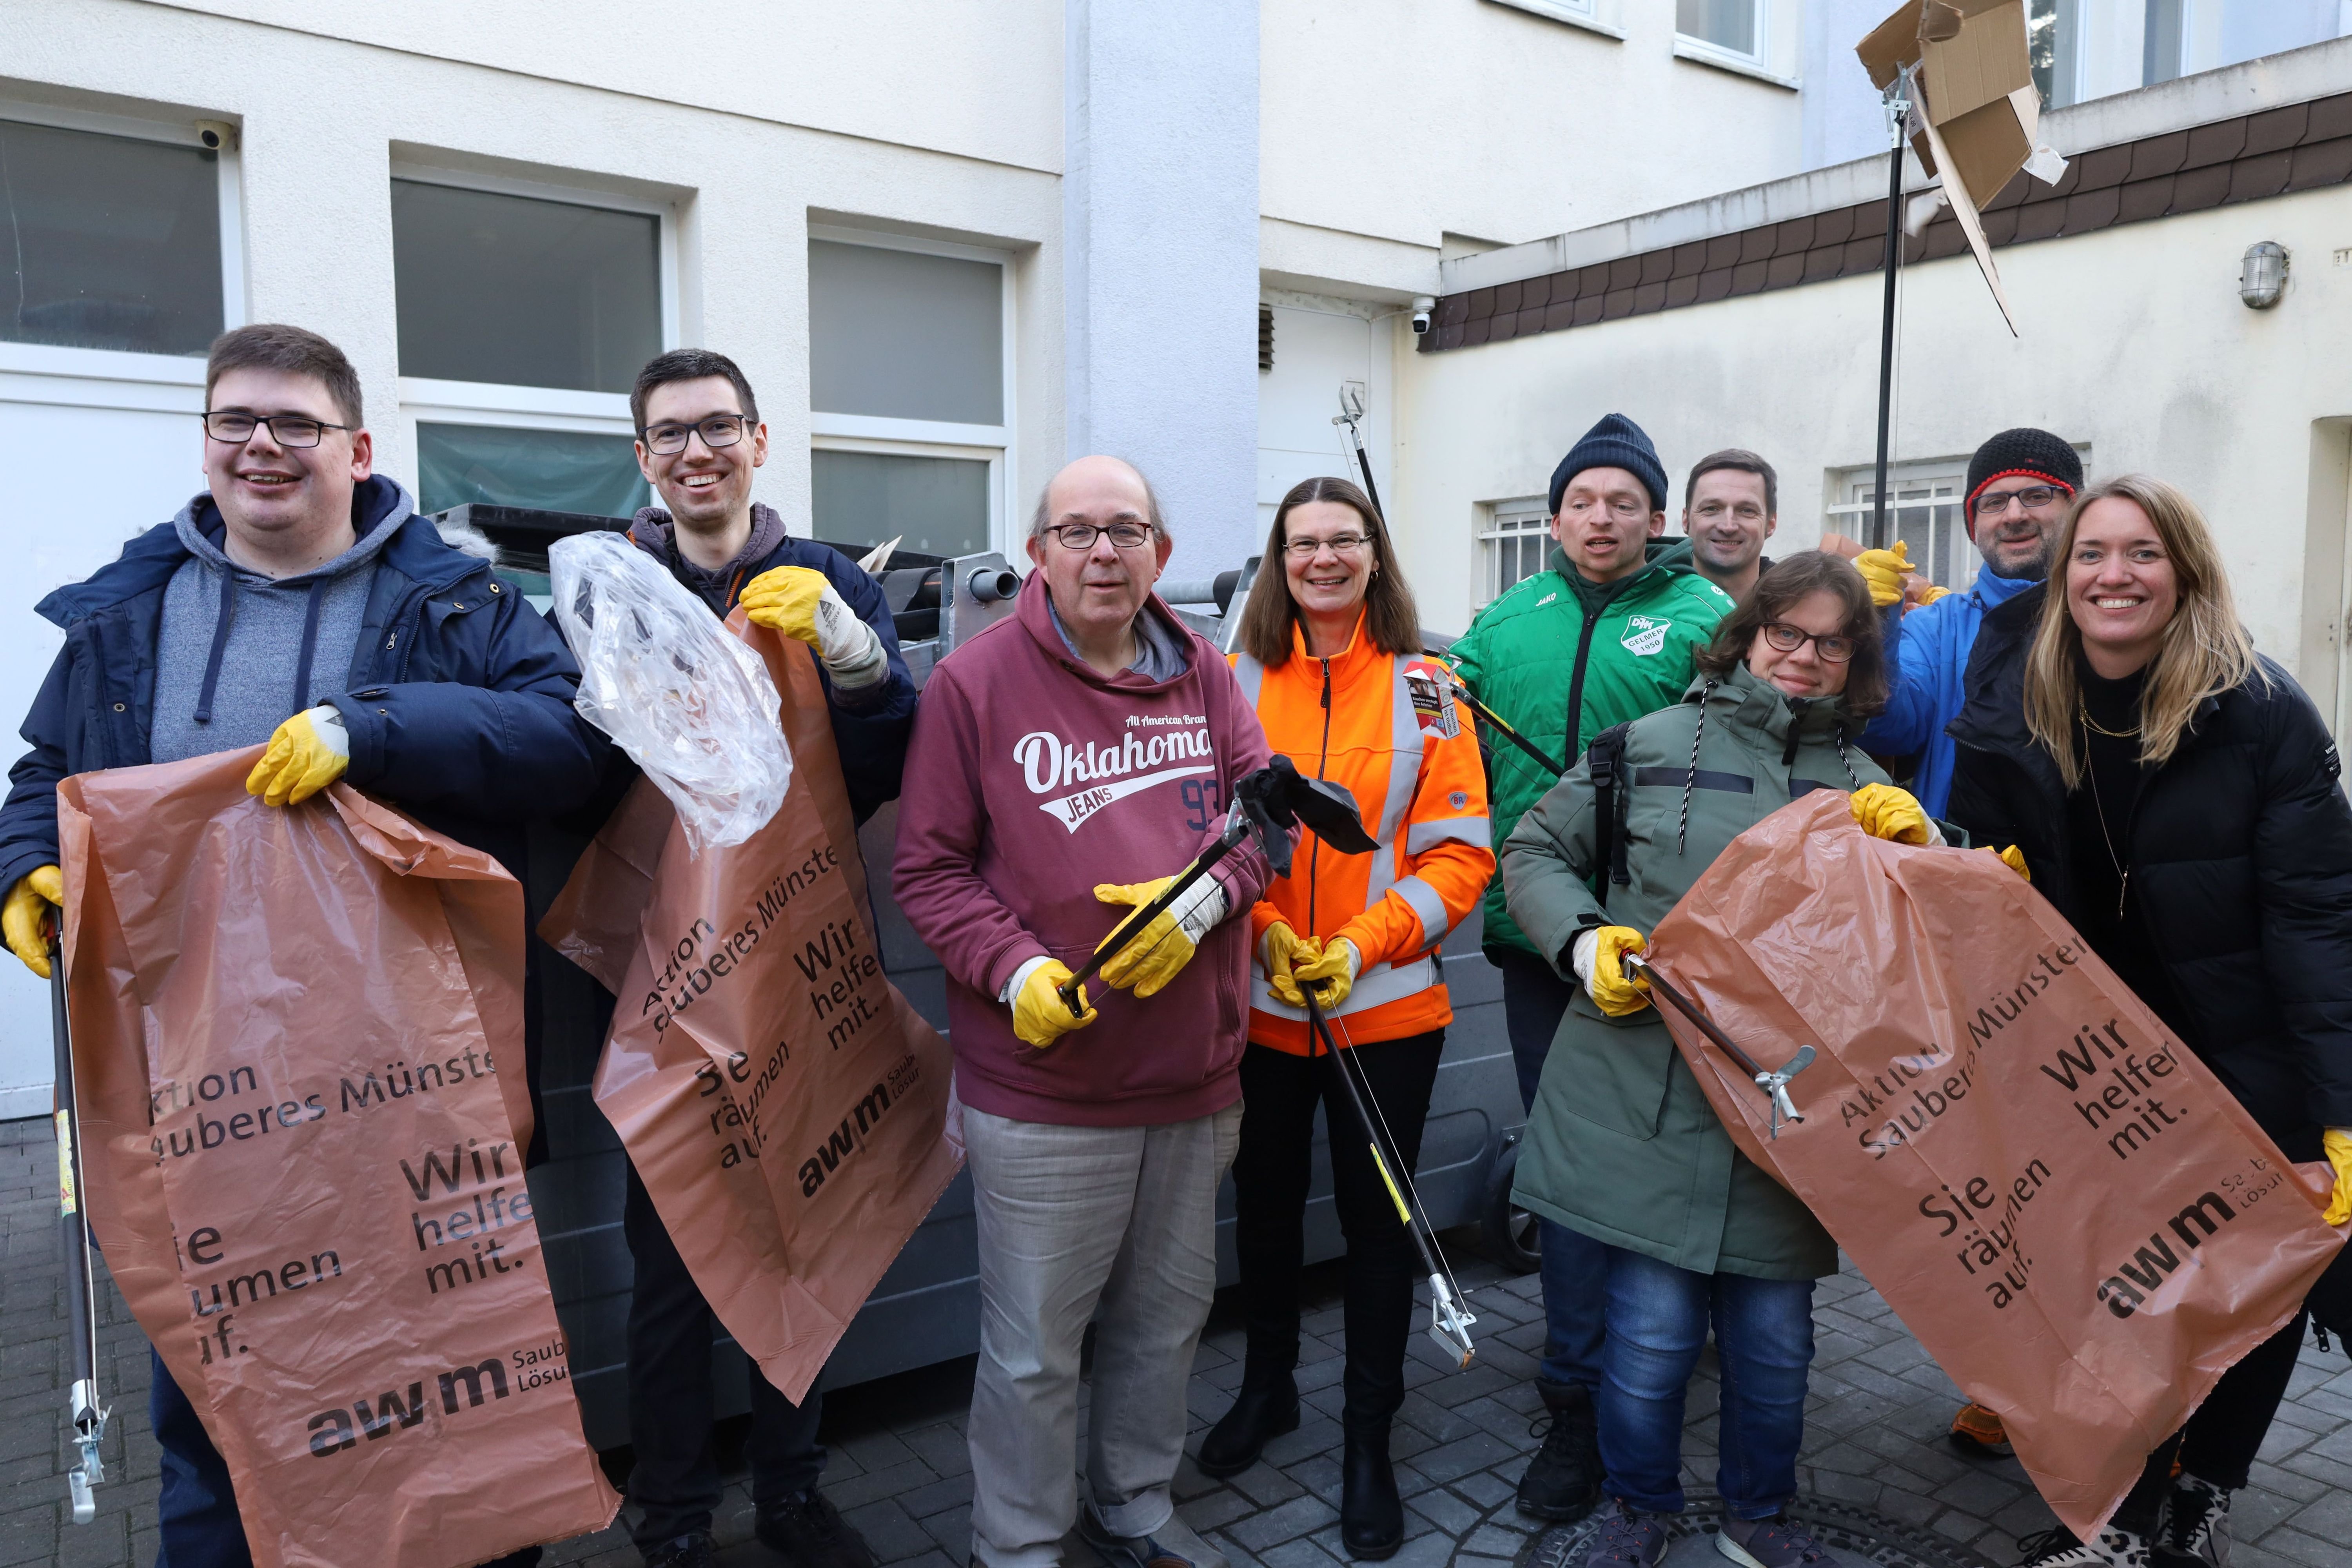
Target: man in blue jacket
{"points": [[699, 439], [2020, 485], [301, 601]]}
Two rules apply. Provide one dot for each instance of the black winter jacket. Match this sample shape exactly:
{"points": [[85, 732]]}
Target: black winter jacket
{"points": [[2241, 861]]}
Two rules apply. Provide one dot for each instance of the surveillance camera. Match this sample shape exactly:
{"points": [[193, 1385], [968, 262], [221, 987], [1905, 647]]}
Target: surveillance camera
{"points": [[1422, 307], [216, 134]]}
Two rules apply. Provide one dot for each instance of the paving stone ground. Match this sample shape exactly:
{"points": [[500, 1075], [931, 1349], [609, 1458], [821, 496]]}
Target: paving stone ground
{"points": [[899, 1467]]}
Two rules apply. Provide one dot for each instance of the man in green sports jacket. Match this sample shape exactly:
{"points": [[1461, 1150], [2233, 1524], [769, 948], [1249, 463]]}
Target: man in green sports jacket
{"points": [[1606, 633]]}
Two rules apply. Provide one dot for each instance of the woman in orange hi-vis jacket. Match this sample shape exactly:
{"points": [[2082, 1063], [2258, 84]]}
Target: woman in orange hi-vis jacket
{"points": [[1331, 660]]}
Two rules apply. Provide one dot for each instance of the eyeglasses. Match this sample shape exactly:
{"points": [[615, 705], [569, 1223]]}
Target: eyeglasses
{"points": [[1339, 544], [718, 430], [2032, 497], [232, 427], [1789, 639], [1082, 535]]}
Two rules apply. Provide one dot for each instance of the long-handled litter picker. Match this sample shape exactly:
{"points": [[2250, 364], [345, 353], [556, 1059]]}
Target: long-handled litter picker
{"points": [[1773, 1082], [1449, 1317], [88, 1416], [1352, 411]]}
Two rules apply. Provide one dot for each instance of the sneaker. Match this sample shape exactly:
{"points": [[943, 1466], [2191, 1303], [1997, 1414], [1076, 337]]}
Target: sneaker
{"points": [[2058, 1547], [2197, 1529], [1172, 1545], [1562, 1482], [810, 1533], [693, 1551], [1628, 1539], [1978, 1430], [1777, 1541]]}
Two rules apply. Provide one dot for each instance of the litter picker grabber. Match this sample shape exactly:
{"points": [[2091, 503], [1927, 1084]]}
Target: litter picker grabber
{"points": [[1268, 804], [1449, 1317], [1352, 410], [1773, 1082], [83, 1408]]}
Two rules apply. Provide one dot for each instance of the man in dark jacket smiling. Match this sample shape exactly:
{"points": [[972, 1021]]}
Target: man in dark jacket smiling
{"points": [[302, 602], [699, 439]]}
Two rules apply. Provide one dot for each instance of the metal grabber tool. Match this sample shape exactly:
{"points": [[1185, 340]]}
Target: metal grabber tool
{"points": [[1449, 1317], [1267, 804], [83, 1408], [1773, 1082]]}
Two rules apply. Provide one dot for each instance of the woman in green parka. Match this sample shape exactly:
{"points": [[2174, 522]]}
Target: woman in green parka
{"points": [[1622, 1144]]}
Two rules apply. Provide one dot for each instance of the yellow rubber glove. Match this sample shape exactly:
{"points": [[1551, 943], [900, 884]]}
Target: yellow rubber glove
{"points": [[1332, 974], [801, 602], [1282, 949], [1884, 569], [1160, 953], [1601, 966], [308, 752], [2337, 1142], [2014, 858], [1040, 1016], [1885, 812], [38, 896], [1934, 592]]}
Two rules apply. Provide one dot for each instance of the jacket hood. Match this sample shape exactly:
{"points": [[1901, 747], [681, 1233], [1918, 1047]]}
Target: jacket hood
{"points": [[411, 545], [1760, 707], [1992, 589], [375, 517], [1034, 610]]}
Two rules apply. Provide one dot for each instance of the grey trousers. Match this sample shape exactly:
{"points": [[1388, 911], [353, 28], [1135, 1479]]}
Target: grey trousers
{"points": [[1116, 1224]]}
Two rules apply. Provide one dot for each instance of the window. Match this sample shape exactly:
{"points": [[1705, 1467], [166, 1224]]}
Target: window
{"points": [[2051, 34], [1514, 540], [1735, 27], [910, 393], [2160, 41], [108, 242], [1926, 514], [524, 316]]}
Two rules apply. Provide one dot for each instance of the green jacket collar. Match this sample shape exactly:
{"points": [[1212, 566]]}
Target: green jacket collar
{"points": [[1663, 558], [1758, 708]]}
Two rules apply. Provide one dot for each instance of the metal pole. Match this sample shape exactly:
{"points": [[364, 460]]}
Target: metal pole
{"points": [[1899, 104], [87, 1416]]}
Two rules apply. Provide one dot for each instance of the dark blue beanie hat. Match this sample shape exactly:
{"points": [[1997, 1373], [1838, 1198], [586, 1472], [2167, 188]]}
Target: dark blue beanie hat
{"points": [[1615, 443]]}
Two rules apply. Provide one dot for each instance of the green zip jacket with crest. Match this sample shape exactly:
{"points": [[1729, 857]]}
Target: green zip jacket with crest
{"points": [[1561, 658], [1623, 1145]]}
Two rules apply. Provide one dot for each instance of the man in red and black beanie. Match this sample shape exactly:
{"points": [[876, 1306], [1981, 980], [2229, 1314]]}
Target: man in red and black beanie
{"points": [[2020, 485]]}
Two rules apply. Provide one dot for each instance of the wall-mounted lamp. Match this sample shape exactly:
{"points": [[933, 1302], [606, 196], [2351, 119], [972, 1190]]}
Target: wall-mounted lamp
{"points": [[2262, 277]]}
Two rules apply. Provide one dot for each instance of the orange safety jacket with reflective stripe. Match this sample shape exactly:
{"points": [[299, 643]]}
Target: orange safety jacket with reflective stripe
{"points": [[1386, 726]]}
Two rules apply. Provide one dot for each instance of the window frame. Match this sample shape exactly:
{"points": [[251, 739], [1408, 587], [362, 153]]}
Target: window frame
{"points": [[995, 444], [1851, 515], [1515, 519], [1706, 51], [119, 379], [429, 400], [1594, 15]]}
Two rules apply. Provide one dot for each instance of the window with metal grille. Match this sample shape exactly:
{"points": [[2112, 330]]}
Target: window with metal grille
{"points": [[1925, 499], [1514, 537]]}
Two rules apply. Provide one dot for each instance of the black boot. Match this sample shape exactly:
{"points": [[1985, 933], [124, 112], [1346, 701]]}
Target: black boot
{"points": [[1563, 1480], [1372, 1515], [1267, 1407]]}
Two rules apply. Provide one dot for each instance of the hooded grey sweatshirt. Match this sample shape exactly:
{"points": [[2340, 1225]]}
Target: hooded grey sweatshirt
{"points": [[240, 653]]}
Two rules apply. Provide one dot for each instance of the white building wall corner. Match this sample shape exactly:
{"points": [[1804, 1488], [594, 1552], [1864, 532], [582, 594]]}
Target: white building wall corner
{"points": [[1159, 203]]}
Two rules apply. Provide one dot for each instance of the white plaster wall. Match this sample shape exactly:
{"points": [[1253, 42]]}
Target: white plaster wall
{"points": [[2133, 341]]}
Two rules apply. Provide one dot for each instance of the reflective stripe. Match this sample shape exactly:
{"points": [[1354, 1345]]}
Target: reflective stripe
{"points": [[1424, 836], [1252, 675], [1404, 778], [1375, 987], [1427, 905]]}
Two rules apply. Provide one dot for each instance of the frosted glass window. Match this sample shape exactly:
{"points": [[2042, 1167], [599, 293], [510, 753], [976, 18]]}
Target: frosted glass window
{"points": [[901, 335], [940, 505], [523, 292], [108, 242], [555, 470], [1729, 25]]}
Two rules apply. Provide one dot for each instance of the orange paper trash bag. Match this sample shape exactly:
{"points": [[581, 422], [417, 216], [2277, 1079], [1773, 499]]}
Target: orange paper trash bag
{"points": [[297, 1048], [2074, 1215], [788, 1111]]}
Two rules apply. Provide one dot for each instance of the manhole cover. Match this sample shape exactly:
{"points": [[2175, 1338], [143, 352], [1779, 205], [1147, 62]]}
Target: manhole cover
{"points": [[1854, 1537]]}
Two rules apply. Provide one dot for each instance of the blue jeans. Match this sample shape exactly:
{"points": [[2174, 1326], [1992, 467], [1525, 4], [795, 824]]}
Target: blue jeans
{"points": [[1658, 1318], [195, 1512], [1575, 1267]]}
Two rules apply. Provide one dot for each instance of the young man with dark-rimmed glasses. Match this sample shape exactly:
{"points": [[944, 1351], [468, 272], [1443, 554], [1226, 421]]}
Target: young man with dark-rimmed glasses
{"points": [[699, 438]]}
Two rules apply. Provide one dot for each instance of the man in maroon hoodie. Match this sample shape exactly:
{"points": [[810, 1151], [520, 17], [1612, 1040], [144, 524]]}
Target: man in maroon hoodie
{"points": [[1090, 736]]}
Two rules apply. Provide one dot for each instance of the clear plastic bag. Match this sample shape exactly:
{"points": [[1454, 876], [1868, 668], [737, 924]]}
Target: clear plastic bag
{"points": [[689, 702]]}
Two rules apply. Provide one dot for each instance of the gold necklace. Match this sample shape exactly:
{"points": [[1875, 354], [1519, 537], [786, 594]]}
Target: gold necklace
{"points": [[2082, 712], [2123, 872]]}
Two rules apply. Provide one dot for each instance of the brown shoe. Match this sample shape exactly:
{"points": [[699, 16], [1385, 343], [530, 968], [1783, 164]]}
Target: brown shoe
{"points": [[1978, 1429]]}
